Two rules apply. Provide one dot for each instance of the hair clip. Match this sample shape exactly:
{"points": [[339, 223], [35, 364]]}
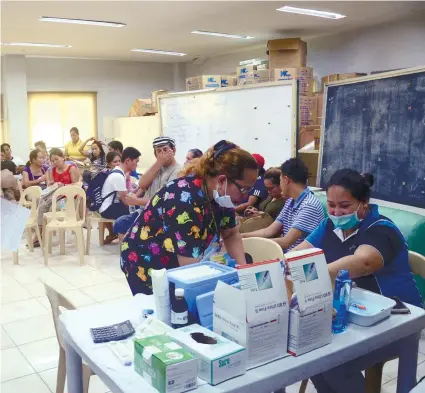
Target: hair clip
{"points": [[221, 147]]}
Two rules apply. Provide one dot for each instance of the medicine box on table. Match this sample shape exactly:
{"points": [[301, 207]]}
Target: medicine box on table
{"points": [[256, 316], [166, 365], [198, 279], [310, 317], [219, 359]]}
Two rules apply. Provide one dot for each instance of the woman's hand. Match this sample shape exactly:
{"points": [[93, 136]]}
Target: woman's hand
{"points": [[251, 211], [50, 183]]}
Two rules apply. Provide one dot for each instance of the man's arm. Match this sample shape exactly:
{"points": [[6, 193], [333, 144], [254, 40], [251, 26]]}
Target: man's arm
{"points": [[289, 239], [252, 201], [147, 179], [272, 230]]}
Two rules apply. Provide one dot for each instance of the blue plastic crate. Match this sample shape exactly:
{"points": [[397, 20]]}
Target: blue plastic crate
{"points": [[194, 288]]}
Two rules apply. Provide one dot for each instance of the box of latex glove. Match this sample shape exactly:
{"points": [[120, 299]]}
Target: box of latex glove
{"points": [[255, 316], [310, 315], [219, 358], [167, 366]]}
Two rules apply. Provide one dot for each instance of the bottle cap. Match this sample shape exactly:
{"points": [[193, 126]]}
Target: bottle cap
{"points": [[179, 292], [343, 274]]}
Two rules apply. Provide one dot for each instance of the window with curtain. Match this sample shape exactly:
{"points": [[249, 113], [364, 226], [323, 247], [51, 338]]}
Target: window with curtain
{"points": [[52, 115]]}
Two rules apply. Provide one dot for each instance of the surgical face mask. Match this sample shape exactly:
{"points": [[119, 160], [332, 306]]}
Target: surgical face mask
{"points": [[223, 201], [347, 221]]}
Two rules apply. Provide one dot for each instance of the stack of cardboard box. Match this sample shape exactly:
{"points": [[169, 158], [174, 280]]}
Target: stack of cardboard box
{"points": [[287, 61], [210, 82], [340, 77]]}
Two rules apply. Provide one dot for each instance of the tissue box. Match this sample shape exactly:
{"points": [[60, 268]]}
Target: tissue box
{"points": [[219, 358], [256, 316], [167, 366], [310, 324]]}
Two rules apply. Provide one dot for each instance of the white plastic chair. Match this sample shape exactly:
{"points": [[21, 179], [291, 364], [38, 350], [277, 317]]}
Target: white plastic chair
{"points": [[262, 249], [57, 301], [71, 221], [22, 200], [101, 223], [34, 194]]}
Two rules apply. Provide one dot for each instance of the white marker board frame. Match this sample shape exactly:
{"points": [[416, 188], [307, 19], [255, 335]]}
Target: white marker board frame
{"points": [[260, 118], [378, 76]]}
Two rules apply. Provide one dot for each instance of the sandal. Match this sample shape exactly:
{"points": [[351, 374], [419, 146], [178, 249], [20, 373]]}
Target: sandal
{"points": [[110, 238]]}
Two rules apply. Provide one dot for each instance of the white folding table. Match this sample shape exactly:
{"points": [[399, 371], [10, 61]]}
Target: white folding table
{"points": [[359, 347]]}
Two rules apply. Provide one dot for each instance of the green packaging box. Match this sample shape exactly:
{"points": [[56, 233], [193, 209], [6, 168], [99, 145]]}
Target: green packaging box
{"points": [[166, 365]]}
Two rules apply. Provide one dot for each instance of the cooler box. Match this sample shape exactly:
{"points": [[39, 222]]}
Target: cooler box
{"points": [[205, 305], [198, 286]]}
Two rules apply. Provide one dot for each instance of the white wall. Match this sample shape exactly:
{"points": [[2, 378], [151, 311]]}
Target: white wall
{"points": [[384, 47], [117, 83]]}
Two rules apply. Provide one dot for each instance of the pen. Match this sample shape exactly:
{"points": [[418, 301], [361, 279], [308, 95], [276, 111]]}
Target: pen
{"points": [[360, 306]]}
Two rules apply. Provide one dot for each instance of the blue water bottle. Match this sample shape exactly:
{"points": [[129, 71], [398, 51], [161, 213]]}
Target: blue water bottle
{"points": [[341, 303]]}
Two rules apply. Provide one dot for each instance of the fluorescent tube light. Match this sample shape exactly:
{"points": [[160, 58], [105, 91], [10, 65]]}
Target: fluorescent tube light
{"points": [[243, 37], [35, 44], [159, 52], [81, 21], [305, 11]]}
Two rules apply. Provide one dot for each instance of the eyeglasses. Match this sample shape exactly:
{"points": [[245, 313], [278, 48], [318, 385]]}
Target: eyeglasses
{"points": [[242, 190]]}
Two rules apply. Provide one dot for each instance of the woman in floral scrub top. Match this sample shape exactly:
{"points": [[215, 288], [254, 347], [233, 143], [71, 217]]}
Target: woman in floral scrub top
{"points": [[182, 219]]}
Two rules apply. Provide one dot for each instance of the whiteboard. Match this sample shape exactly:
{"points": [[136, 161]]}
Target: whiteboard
{"points": [[259, 118]]}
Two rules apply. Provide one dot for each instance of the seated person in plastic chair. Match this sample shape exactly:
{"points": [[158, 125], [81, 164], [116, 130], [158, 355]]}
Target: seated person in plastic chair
{"points": [[258, 193], [164, 170], [34, 174], [302, 212], [357, 238], [62, 174]]}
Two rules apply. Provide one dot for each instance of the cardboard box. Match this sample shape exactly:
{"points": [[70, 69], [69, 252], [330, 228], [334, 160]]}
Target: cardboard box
{"points": [[203, 82], [219, 358], [287, 52], [258, 76], [155, 98], [228, 80], [167, 366], [329, 78], [257, 315], [245, 70], [141, 107], [307, 111], [350, 75], [310, 320], [304, 75], [307, 135], [319, 96]]}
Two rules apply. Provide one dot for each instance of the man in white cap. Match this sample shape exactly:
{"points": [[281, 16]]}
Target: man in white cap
{"points": [[163, 170]]}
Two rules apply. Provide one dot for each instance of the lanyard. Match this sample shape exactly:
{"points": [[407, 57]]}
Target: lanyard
{"points": [[212, 211]]}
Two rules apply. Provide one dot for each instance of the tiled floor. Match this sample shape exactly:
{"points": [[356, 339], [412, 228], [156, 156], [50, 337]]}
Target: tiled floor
{"points": [[29, 348]]}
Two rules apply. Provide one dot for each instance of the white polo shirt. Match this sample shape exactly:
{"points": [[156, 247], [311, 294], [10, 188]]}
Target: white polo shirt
{"points": [[115, 182]]}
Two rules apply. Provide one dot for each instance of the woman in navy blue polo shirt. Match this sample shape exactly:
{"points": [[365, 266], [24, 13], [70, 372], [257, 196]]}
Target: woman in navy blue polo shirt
{"points": [[357, 238]]}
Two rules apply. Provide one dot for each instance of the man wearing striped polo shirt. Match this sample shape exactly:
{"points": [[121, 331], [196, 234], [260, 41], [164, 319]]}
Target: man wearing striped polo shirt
{"points": [[302, 212]]}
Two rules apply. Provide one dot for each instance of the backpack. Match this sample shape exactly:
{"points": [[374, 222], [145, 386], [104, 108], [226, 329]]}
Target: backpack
{"points": [[94, 190]]}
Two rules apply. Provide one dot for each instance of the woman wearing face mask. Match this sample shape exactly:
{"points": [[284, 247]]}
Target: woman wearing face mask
{"points": [[182, 220], [357, 238]]}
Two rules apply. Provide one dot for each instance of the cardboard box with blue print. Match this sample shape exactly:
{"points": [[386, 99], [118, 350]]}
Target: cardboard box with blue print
{"points": [[203, 82], [307, 111], [310, 316], [304, 75], [257, 316], [228, 80], [258, 76], [219, 358]]}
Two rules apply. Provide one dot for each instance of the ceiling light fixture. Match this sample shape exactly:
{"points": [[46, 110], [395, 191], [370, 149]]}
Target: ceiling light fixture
{"points": [[159, 52], [305, 11], [35, 44], [81, 21], [241, 37]]}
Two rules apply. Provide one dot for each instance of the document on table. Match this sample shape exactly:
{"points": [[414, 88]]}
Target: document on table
{"points": [[13, 221]]}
